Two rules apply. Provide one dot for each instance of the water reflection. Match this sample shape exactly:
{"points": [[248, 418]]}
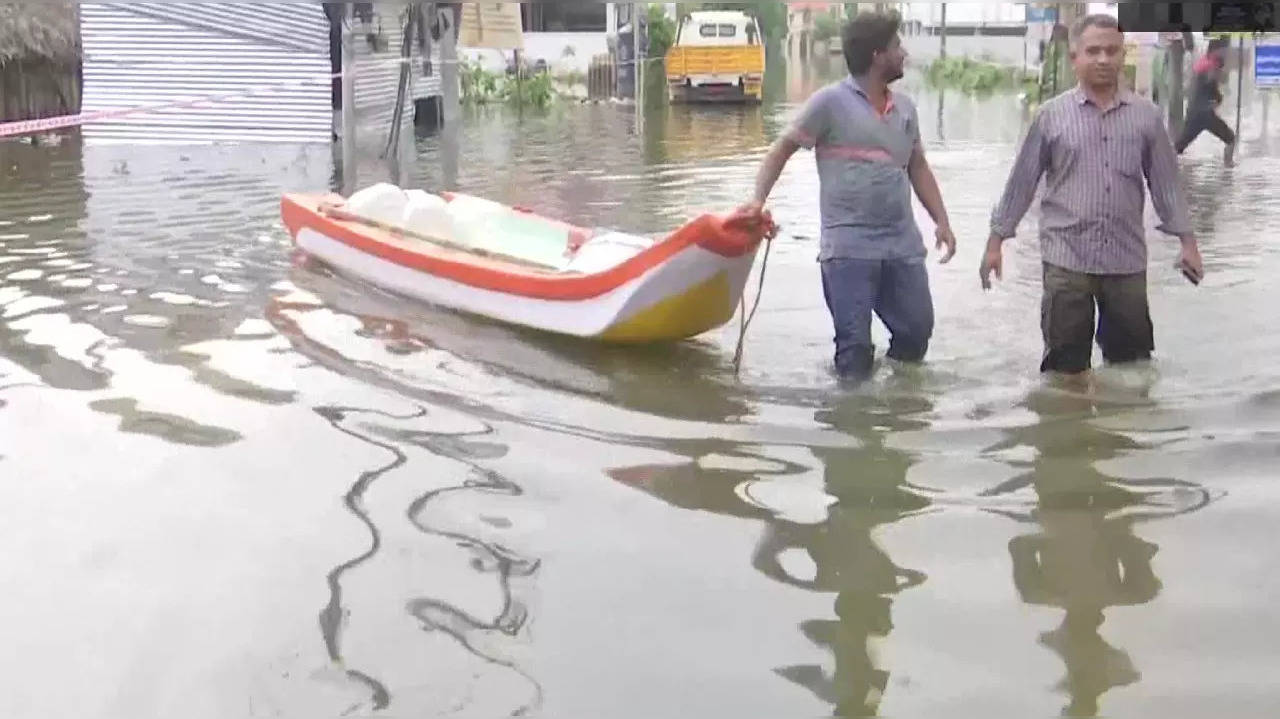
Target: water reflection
{"points": [[869, 485], [436, 505], [1085, 557], [690, 381], [819, 537]]}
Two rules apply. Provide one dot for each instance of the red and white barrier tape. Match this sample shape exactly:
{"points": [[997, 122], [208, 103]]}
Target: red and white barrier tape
{"points": [[31, 127], [28, 127]]}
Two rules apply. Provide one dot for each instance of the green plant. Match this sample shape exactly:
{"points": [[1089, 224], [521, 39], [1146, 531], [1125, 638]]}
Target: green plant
{"points": [[535, 90], [662, 31], [976, 77], [481, 87], [825, 27]]}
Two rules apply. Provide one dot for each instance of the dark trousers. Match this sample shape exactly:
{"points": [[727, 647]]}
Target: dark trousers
{"points": [[896, 291], [1199, 121], [1124, 330]]}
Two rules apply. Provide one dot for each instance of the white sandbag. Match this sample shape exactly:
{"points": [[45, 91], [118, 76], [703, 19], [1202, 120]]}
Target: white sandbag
{"points": [[605, 251], [471, 216], [427, 214], [383, 202]]}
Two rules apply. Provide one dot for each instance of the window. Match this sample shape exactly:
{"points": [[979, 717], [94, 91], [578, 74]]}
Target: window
{"points": [[717, 30], [576, 16]]}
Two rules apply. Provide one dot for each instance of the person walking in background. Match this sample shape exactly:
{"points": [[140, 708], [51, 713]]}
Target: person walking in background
{"points": [[1206, 95], [866, 138], [1094, 144]]}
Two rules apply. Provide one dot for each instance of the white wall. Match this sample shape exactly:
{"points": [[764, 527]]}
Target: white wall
{"points": [[548, 46], [965, 13]]}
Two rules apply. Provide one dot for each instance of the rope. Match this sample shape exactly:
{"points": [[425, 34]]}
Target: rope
{"points": [[744, 318]]}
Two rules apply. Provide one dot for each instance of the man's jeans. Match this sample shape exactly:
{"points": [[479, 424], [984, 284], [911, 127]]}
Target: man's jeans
{"points": [[897, 291]]}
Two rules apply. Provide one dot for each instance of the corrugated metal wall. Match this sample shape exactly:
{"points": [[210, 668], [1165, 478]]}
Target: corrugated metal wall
{"points": [[153, 53], [145, 54], [378, 72], [425, 85]]}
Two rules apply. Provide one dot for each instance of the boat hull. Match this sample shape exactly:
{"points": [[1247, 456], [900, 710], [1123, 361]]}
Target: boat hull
{"points": [[684, 291]]}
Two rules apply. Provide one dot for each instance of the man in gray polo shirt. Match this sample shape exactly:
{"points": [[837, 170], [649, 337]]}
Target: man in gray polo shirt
{"points": [[869, 156]]}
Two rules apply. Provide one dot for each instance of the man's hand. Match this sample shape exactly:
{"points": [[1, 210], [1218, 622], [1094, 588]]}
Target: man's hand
{"points": [[754, 212], [752, 209], [947, 240], [992, 261], [1190, 262]]}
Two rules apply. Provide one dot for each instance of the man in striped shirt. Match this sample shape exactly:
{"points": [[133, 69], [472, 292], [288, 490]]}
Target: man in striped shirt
{"points": [[1095, 144]]}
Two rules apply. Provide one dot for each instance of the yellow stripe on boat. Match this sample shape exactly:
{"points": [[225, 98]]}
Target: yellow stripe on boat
{"points": [[703, 306]]}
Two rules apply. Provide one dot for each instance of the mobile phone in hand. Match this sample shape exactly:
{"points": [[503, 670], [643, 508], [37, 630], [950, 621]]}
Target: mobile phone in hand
{"points": [[1187, 274]]}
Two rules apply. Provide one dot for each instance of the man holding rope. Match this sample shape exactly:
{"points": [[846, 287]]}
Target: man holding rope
{"points": [[866, 139]]}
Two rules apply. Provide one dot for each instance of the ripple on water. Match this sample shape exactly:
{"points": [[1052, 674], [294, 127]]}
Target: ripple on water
{"points": [[153, 321]]}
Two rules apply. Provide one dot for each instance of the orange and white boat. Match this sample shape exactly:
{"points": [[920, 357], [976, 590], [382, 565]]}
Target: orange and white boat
{"points": [[514, 266]]}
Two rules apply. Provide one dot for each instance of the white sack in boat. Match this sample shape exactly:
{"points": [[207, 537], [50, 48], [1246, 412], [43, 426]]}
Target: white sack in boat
{"points": [[606, 250], [383, 202], [470, 218], [427, 214]]}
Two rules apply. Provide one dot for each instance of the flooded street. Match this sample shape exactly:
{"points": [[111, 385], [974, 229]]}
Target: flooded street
{"points": [[235, 484]]}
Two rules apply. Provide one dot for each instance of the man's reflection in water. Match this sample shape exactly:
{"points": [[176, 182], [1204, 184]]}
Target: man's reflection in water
{"points": [[1085, 557], [868, 483]]}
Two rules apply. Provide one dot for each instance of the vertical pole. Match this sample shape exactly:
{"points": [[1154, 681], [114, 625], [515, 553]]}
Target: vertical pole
{"points": [[638, 66], [942, 53], [515, 54], [1266, 111], [1024, 54], [448, 63], [348, 100], [635, 47], [1239, 83], [1173, 70], [450, 106]]}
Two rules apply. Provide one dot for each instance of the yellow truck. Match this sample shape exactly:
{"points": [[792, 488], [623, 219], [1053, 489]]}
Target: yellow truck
{"points": [[718, 56]]}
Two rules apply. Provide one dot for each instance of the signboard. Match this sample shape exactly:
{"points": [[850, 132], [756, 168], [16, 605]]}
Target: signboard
{"points": [[1242, 17], [491, 25], [1266, 66], [1216, 17], [1036, 15]]}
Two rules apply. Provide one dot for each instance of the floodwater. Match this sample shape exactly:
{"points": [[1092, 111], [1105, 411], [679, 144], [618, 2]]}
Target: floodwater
{"points": [[235, 484]]}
